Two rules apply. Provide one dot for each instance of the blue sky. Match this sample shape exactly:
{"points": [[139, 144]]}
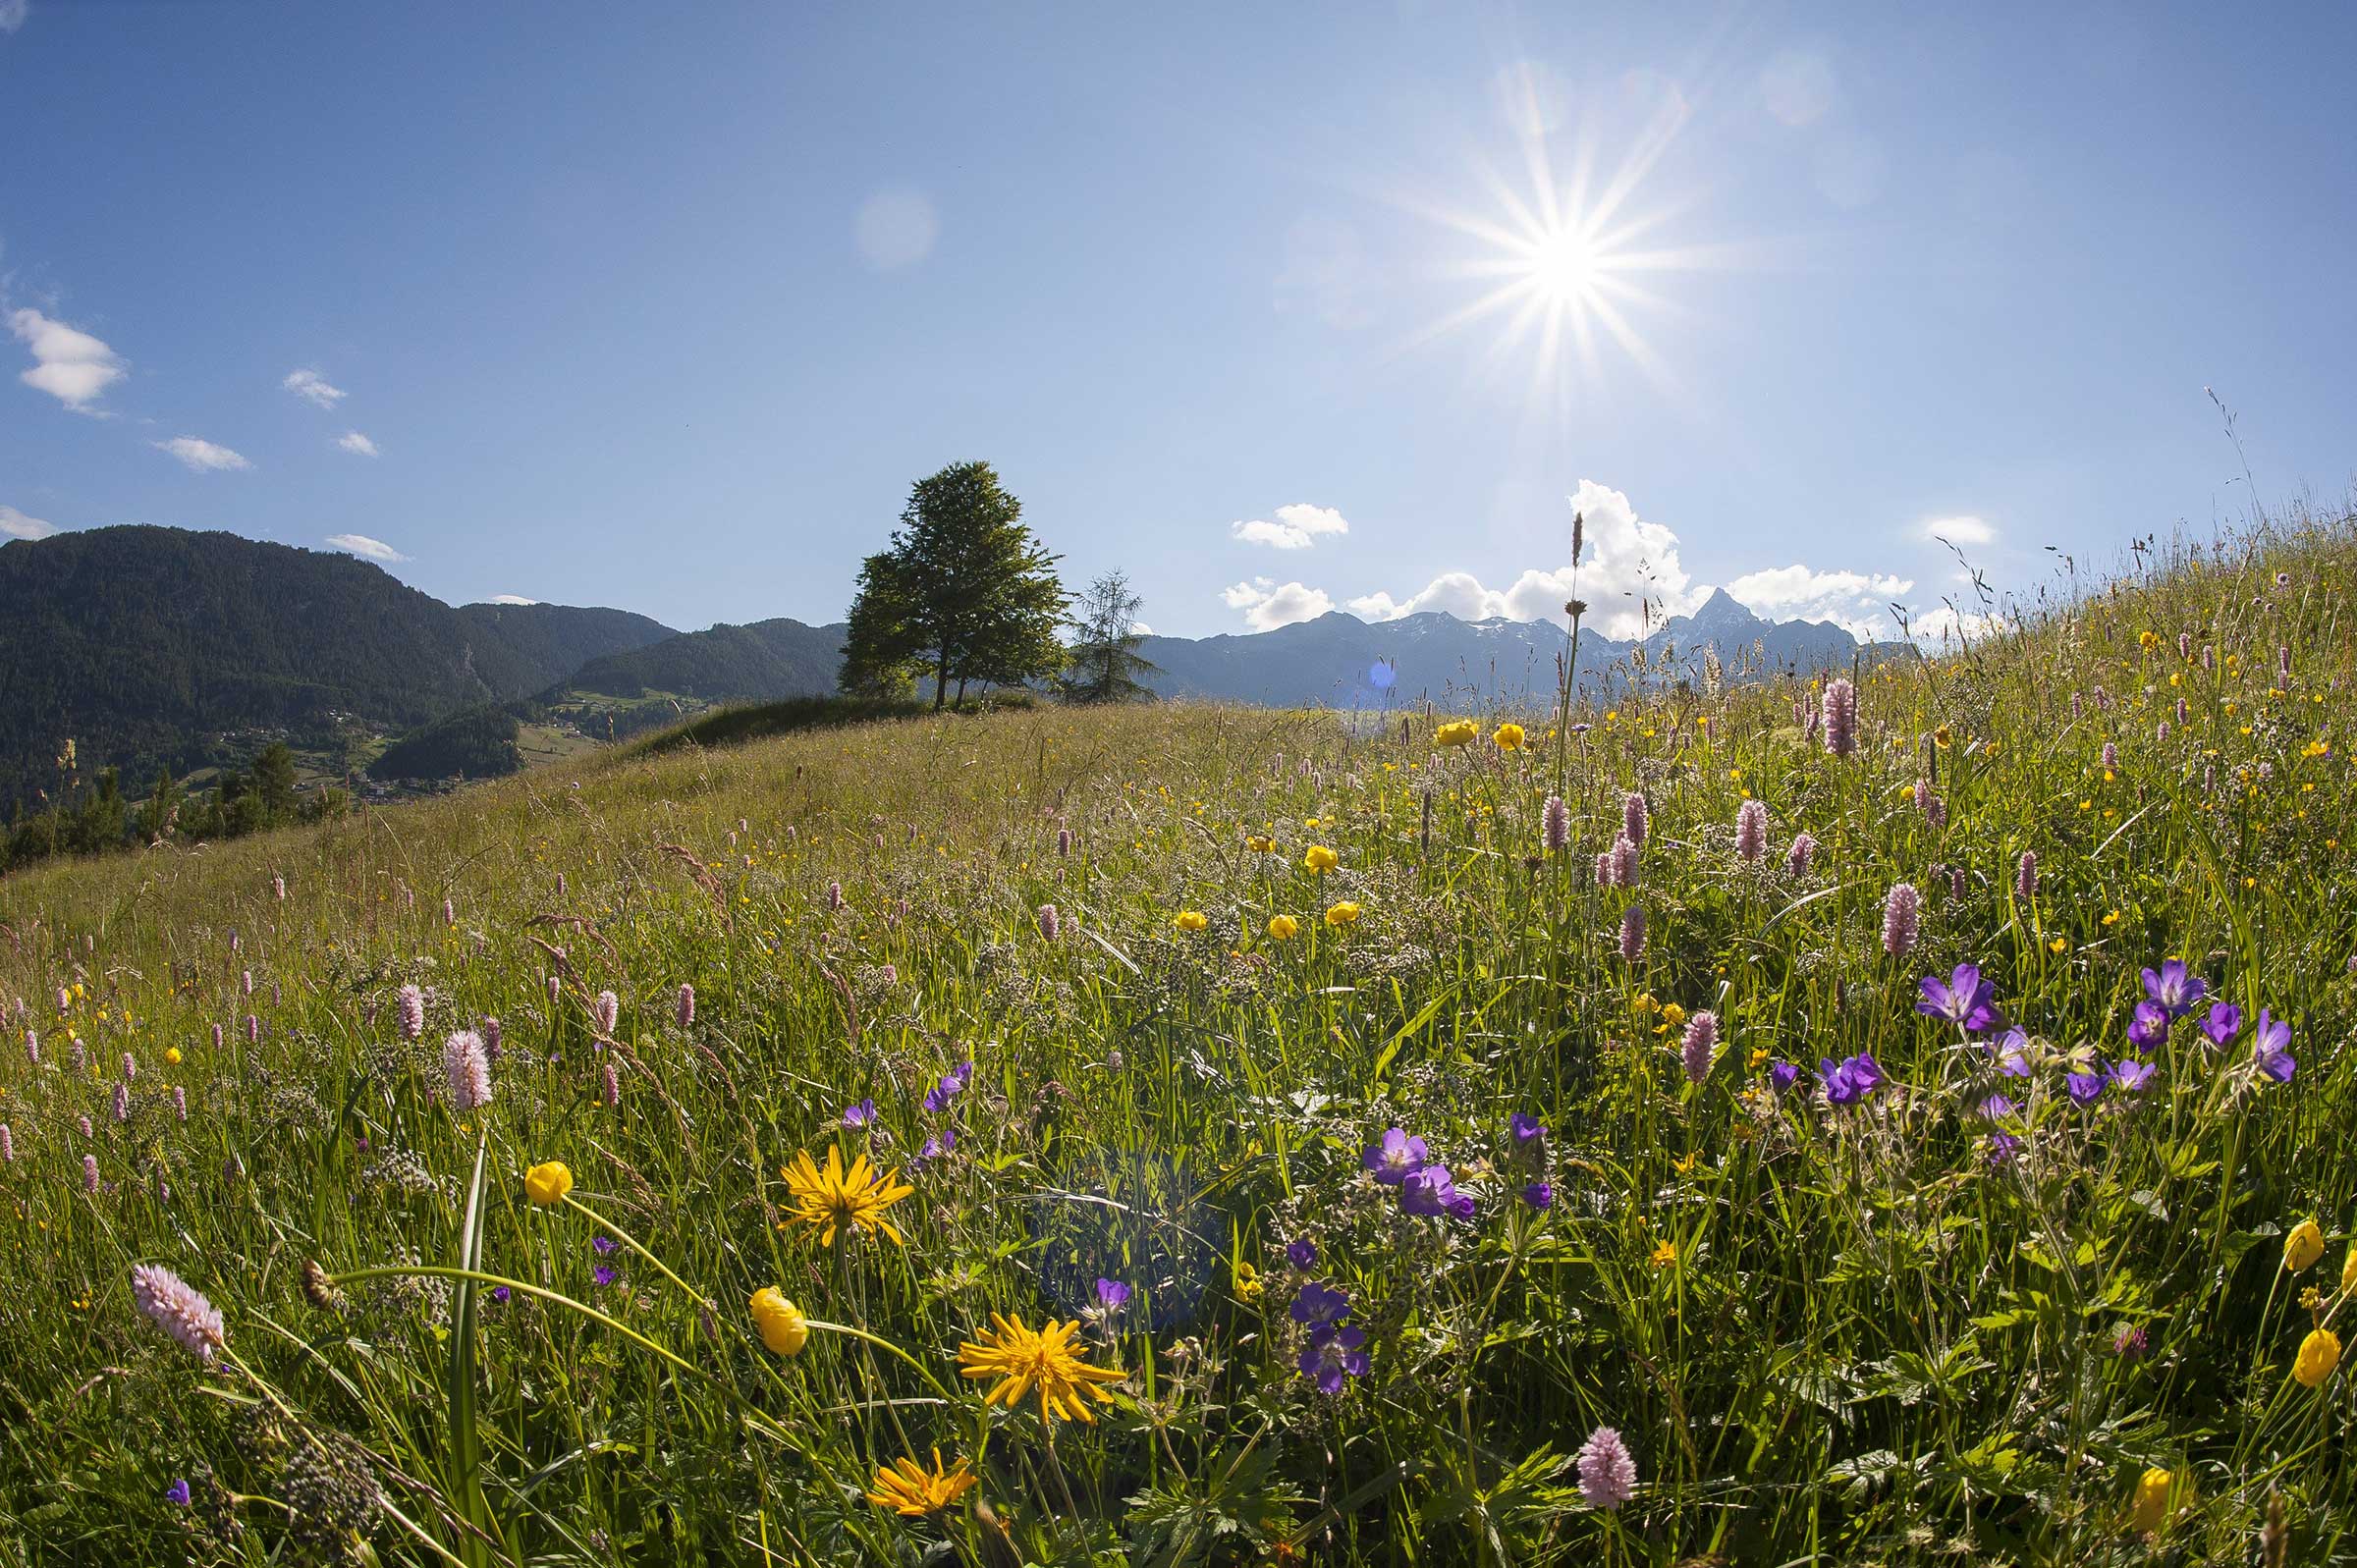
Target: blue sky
{"points": [[666, 308]]}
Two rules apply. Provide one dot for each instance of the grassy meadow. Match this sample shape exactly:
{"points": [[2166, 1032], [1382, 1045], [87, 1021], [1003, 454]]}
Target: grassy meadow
{"points": [[1706, 1231]]}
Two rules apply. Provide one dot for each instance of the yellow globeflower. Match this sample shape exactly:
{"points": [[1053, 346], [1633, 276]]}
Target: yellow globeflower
{"points": [[2348, 1269], [1345, 913], [2319, 1354], [1191, 920], [2303, 1246], [1509, 737], [171, 1056], [2149, 1511], [1260, 844], [1024, 1361], [1460, 732], [547, 1183], [784, 1328], [834, 1199], [913, 1491], [1284, 927], [1319, 860]]}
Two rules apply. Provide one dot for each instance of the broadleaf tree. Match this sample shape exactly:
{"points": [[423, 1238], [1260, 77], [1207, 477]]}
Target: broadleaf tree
{"points": [[963, 594]]}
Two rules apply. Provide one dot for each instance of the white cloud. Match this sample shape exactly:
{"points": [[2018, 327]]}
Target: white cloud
{"points": [[497, 598], [1296, 527], [70, 366], [354, 442], [1138, 628], [1963, 530], [1855, 601], [17, 525], [1267, 605], [896, 228], [312, 387], [200, 455], [1628, 561], [12, 13], [1945, 625], [359, 544]]}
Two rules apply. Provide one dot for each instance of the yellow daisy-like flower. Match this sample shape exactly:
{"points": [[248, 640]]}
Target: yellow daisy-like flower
{"points": [[547, 1183], [1509, 737], [1191, 920], [1282, 928], [1023, 1361], [1260, 844], [2149, 1511], [2303, 1246], [835, 1199], [2319, 1354], [913, 1491], [1459, 732], [1345, 913], [784, 1328], [1319, 860]]}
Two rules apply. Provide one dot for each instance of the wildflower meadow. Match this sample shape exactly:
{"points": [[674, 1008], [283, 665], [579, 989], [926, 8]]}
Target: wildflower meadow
{"points": [[1896, 1115]]}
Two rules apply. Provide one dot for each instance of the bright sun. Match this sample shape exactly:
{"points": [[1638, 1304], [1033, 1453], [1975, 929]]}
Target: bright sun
{"points": [[1564, 267]]}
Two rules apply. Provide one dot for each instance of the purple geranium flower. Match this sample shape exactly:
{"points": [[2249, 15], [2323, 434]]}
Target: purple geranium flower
{"points": [[1395, 1158], [1302, 1253], [860, 1115], [1963, 998], [2085, 1087], [1996, 1108], [178, 1493], [2174, 988], [1319, 1304], [1334, 1354], [2013, 1054], [1539, 1195], [2223, 1022], [2002, 1147], [2269, 1048], [1429, 1191], [1526, 1127], [603, 1244], [1851, 1079], [605, 1275], [2150, 1026], [499, 1293], [941, 1142], [1783, 1074], [1111, 1296], [2132, 1075]]}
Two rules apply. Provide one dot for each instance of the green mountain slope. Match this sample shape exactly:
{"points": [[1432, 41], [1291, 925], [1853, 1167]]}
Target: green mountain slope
{"points": [[764, 662]]}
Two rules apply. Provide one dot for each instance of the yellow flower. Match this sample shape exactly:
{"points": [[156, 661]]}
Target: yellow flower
{"points": [[1190, 920], [2348, 1269], [834, 1199], [1282, 927], [1345, 913], [1664, 1256], [2303, 1246], [1261, 844], [547, 1183], [2319, 1354], [171, 1056], [1673, 1015], [2149, 1511], [1509, 737], [1319, 860], [1024, 1361], [784, 1328], [2056, 946], [1462, 732], [913, 1491], [1247, 1281]]}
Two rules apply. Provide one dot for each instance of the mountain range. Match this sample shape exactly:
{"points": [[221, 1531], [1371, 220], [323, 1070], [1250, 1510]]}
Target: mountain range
{"points": [[152, 647]]}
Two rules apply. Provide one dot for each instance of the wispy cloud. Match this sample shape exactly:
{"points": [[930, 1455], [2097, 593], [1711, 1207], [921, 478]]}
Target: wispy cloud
{"points": [[359, 544], [1855, 601], [1267, 605], [12, 13], [1296, 527], [359, 444], [201, 456], [312, 387], [17, 525], [68, 364], [512, 599], [1963, 530]]}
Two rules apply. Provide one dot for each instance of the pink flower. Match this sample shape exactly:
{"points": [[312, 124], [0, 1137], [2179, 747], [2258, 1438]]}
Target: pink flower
{"points": [[1633, 933], [1700, 1044], [1555, 824], [1797, 859], [1903, 914], [2025, 876], [412, 1012], [1841, 720], [1051, 924], [1634, 818], [605, 1011], [1608, 1476], [1751, 831], [686, 1008], [468, 1064], [179, 1309]]}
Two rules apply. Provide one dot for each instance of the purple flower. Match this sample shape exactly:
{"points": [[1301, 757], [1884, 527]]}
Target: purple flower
{"points": [[860, 1115], [1334, 1354], [1302, 1253], [1700, 1043], [2130, 1344], [1783, 1074], [1429, 1191], [1608, 1476], [604, 1244], [1850, 1080], [604, 1275], [2013, 1054], [1902, 915], [2150, 1026], [1318, 1305], [2132, 1075], [178, 1494], [1395, 1158], [1539, 1195], [1996, 1108], [2002, 1147], [1526, 1128], [2173, 988], [951, 1085], [2223, 1022], [1963, 998], [941, 1142], [174, 1305], [499, 1293], [1111, 1296], [2085, 1087], [2269, 1048]]}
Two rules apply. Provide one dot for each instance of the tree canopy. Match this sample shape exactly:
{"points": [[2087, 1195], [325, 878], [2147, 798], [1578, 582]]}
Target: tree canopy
{"points": [[1105, 664], [964, 593]]}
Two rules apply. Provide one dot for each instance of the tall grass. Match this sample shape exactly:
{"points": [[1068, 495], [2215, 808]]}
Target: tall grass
{"points": [[1901, 1329]]}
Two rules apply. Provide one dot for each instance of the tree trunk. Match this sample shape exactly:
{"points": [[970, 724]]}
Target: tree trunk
{"points": [[940, 678]]}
